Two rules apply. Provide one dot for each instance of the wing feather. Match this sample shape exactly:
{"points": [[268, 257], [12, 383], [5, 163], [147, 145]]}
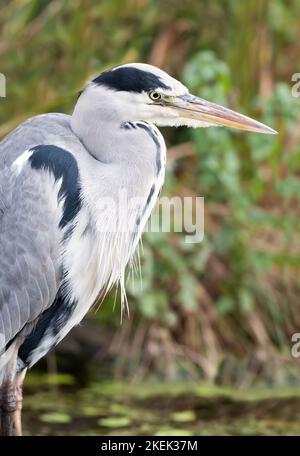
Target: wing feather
{"points": [[34, 216], [30, 247]]}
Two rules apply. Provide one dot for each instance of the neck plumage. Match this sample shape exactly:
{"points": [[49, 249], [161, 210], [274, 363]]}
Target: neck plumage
{"points": [[101, 123]]}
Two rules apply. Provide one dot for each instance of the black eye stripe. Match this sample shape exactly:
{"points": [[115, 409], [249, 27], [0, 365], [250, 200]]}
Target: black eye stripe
{"points": [[131, 80]]}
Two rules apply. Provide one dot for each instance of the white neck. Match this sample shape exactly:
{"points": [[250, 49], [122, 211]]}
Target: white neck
{"points": [[126, 166]]}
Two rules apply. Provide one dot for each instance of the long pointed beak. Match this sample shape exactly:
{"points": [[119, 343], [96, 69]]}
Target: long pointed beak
{"points": [[197, 109]]}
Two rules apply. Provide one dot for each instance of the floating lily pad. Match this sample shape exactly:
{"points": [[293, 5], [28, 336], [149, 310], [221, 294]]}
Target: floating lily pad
{"points": [[90, 410], [120, 409], [55, 418], [184, 417], [114, 422]]}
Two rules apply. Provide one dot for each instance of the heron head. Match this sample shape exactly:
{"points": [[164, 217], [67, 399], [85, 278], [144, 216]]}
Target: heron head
{"points": [[136, 91]]}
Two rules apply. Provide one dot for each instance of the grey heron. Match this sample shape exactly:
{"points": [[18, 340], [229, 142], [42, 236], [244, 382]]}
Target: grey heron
{"points": [[61, 243]]}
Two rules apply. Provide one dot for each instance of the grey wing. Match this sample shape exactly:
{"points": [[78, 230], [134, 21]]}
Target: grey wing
{"points": [[42, 129], [29, 246]]}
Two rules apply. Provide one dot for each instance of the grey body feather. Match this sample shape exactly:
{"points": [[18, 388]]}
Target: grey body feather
{"points": [[29, 235], [35, 251]]}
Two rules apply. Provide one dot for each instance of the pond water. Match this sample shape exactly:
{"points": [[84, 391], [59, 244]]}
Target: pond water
{"points": [[157, 409]]}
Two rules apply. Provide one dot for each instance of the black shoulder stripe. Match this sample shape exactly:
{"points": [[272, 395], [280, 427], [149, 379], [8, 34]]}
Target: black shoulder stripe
{"points": [[130, 79], [49, 324], [154, 137], [128, 126], [63, 165]]}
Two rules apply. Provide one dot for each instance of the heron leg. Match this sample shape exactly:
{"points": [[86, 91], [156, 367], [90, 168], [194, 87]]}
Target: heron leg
{"points": [[1, 410], [10, 394], [17, 418], [8, 409]]}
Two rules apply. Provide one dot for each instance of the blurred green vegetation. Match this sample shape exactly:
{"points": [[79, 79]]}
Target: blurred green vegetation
{"points": [[182, 409], [224, 309]]}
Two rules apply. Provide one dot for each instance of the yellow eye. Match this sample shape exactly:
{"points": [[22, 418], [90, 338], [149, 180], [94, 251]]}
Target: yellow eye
{"points": [[155, 96]]}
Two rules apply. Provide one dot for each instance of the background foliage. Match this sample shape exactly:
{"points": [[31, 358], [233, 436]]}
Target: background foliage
{"points": [[224, 309]]}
